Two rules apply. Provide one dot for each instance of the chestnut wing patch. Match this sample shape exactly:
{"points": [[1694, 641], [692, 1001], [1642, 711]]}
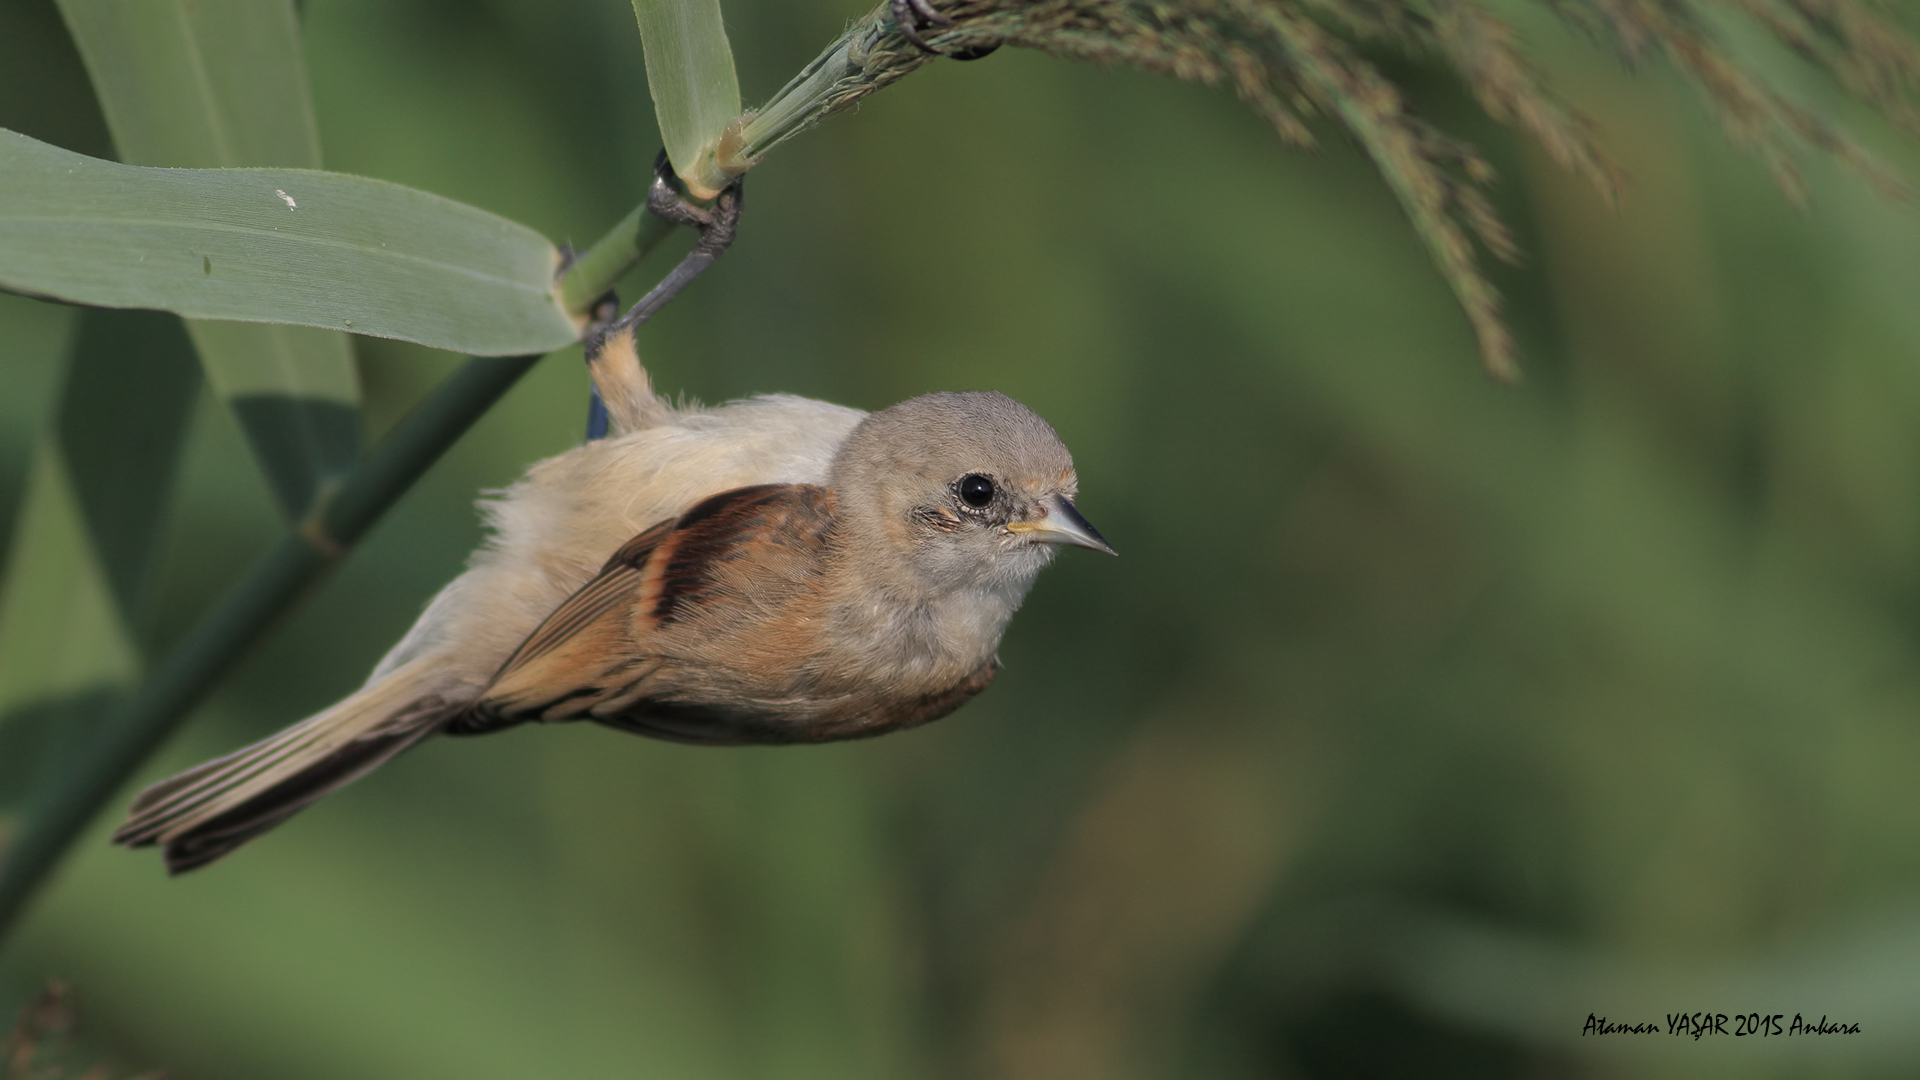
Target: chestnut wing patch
{"points": [[748, 525], [594, 647]]}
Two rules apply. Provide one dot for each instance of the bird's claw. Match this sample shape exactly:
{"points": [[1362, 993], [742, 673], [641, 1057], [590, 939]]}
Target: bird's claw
{"points": [[716, 224], [664, 199], [909, 15]]}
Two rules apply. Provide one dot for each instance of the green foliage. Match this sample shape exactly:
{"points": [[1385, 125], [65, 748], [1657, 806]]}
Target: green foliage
{"points": [[1421, 718], [40, 337], [695, 92], [296, 393], [196, 84], [611, 257], [1292, 60], [276, 245], [118, 438], [80, 591], [61, 631], [223, 85]]}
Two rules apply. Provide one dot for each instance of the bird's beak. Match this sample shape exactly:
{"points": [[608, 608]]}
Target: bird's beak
{"points": [[1062, 524]]}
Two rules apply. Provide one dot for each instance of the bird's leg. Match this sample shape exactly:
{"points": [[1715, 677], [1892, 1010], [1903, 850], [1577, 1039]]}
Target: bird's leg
{"points": [[717, 224], [599, 316], [623, 399], [602, 315], [908, 15]]}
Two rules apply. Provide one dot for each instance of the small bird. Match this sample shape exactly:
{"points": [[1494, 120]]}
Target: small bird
{"points": [[776, 570]]}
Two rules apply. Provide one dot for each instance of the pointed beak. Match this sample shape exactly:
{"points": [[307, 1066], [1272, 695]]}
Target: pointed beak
{"points": [[1062, 524]]}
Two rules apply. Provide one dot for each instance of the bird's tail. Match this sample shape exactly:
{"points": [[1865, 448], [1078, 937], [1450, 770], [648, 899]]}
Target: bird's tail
{"points": [[208, 811]]}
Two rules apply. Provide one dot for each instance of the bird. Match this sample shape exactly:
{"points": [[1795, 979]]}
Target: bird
{"points": [[772, 570]]}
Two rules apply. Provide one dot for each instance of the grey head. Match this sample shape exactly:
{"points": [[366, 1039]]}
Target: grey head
{"points": [[958, 491]]}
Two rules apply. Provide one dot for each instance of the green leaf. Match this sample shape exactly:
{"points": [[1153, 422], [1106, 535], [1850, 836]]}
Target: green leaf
{"points": [[198, 83], [129, 397], [82, 578], [276, 246], [222, 83], [296, 394], [65, 651], [695, 92], [35, 341], [44, 90], [60, 630]]}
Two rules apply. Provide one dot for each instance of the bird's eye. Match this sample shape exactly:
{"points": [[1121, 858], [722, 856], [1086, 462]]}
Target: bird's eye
{"points": [[976, 490]]}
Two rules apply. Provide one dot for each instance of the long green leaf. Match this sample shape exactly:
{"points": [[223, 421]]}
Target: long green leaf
{"points": [[81, 584], [276, 245], [60, 631], [35, 340], [198, 83], [122, 423], [222, 84], [695, 91], [62, 639], [296, 394]]}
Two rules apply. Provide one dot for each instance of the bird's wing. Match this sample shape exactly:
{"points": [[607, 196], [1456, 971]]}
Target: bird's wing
{"points": [[599, 647], [616, 583]]}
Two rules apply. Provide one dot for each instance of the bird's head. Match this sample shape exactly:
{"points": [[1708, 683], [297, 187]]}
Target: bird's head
{"points": [[959, 491]]}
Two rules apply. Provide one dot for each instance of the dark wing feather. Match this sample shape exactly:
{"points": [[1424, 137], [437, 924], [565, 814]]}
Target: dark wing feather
{"points": [[592, 649]]}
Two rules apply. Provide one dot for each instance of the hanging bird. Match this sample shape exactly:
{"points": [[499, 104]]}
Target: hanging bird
{"points": [[777, 570]]}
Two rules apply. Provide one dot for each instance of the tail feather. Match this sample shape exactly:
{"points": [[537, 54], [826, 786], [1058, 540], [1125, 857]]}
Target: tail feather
{"points": [[203, 843], [209, 810], [165, 804]]}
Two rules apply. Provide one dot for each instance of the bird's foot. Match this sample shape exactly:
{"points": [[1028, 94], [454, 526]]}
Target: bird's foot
{"points": [[910, 15], [716, 223], [665, 200]]}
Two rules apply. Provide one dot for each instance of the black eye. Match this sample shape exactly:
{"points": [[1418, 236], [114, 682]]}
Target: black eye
{"points": [[976, 490]]}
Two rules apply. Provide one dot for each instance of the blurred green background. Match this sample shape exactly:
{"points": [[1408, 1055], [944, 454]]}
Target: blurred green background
{"points": [[1420, 719]]}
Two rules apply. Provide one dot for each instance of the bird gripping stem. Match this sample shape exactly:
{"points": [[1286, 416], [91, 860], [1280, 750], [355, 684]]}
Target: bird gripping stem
{"points": [[716, 223]]}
